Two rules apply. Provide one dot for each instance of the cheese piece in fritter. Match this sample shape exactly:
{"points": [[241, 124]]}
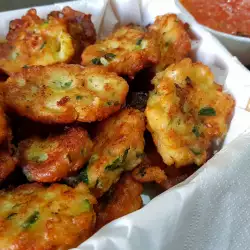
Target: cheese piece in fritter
{"points": [[123, 198], [37, 217], [118, 147], [7, 164], [55, 157], [172, 38], [80, 27], [186, 111], [126, 51], [65, 93], [35, 41]]}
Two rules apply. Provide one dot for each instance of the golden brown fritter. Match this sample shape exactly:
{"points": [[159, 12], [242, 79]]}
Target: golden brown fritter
{"points": [[80, 27], [186, 111], [147, 172], [118, 147], [172, 39], [123, 198], [126, 51], [3, 125], [7, 164], [35, 41], [65, 93], [55, 157], [45, 218]]}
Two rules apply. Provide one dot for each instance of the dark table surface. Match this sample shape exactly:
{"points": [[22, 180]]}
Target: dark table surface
{"points": [[18, 4]]}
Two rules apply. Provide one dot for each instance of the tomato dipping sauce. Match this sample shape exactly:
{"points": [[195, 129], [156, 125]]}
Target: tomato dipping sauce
{"points": [[229, 16]]}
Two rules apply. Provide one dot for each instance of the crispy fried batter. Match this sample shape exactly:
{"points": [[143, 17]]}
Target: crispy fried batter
{"points": [[35, 41], [35, 217], [80, 27], [64, 93], [172, 38], [123, 198], [118, 147], [3, 125], [186, 111], [7, 164], [147, 172], [126, 51], [55, 157]]}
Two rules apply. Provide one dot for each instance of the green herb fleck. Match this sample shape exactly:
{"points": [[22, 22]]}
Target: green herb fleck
{"points": [[31, 220], [66, 85], [96, 61], [86, 205], [117, 162], [142, 172], [84, 175], [46, 22], [41, 157], [109, 56], [195, 151], [139, 41], [25, 66], [43, 45], [207, 111], [10, 216], [167, 44], [93, 158], [79, 97], [195, 130]]}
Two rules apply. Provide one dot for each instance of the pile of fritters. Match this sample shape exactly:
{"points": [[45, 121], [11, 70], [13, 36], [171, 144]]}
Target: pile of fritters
{"points": [[74, 149]]}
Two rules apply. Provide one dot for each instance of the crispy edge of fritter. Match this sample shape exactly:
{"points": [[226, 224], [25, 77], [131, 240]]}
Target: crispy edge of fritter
{"points": [[7, 164], [80, 27], [148, 172], [123, 198], [72, 151], [56, 227], [71, 114], [129, 63], [172, 38]]}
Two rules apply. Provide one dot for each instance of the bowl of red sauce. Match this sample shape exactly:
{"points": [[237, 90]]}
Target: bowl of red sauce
{"points": [[228, 20]]}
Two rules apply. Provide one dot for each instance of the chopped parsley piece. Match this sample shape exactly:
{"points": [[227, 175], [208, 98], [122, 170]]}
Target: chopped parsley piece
{"points": [[109, 56], [10, 216], [84, 176], [66, 85], [195, 130], [195, 151], [96, 61], [139, 41], [112, 103], [79, 97], [31, 220], [43, 45], [167, 44], [207, 111], [25, 66], [118, 161]]}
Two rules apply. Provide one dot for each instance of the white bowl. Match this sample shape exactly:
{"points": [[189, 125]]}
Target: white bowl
{"points": [[236, 45]]}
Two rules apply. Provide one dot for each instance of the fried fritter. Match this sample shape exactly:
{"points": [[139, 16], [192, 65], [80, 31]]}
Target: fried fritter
{"points": [[80, 27], [172, 39], [147, 172], [35, 41], [36, 217], [186, 111], [118, 147], [65, 93], [55, 157], [126, 51], [123, 198], [3, 125], [7, 164]]}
